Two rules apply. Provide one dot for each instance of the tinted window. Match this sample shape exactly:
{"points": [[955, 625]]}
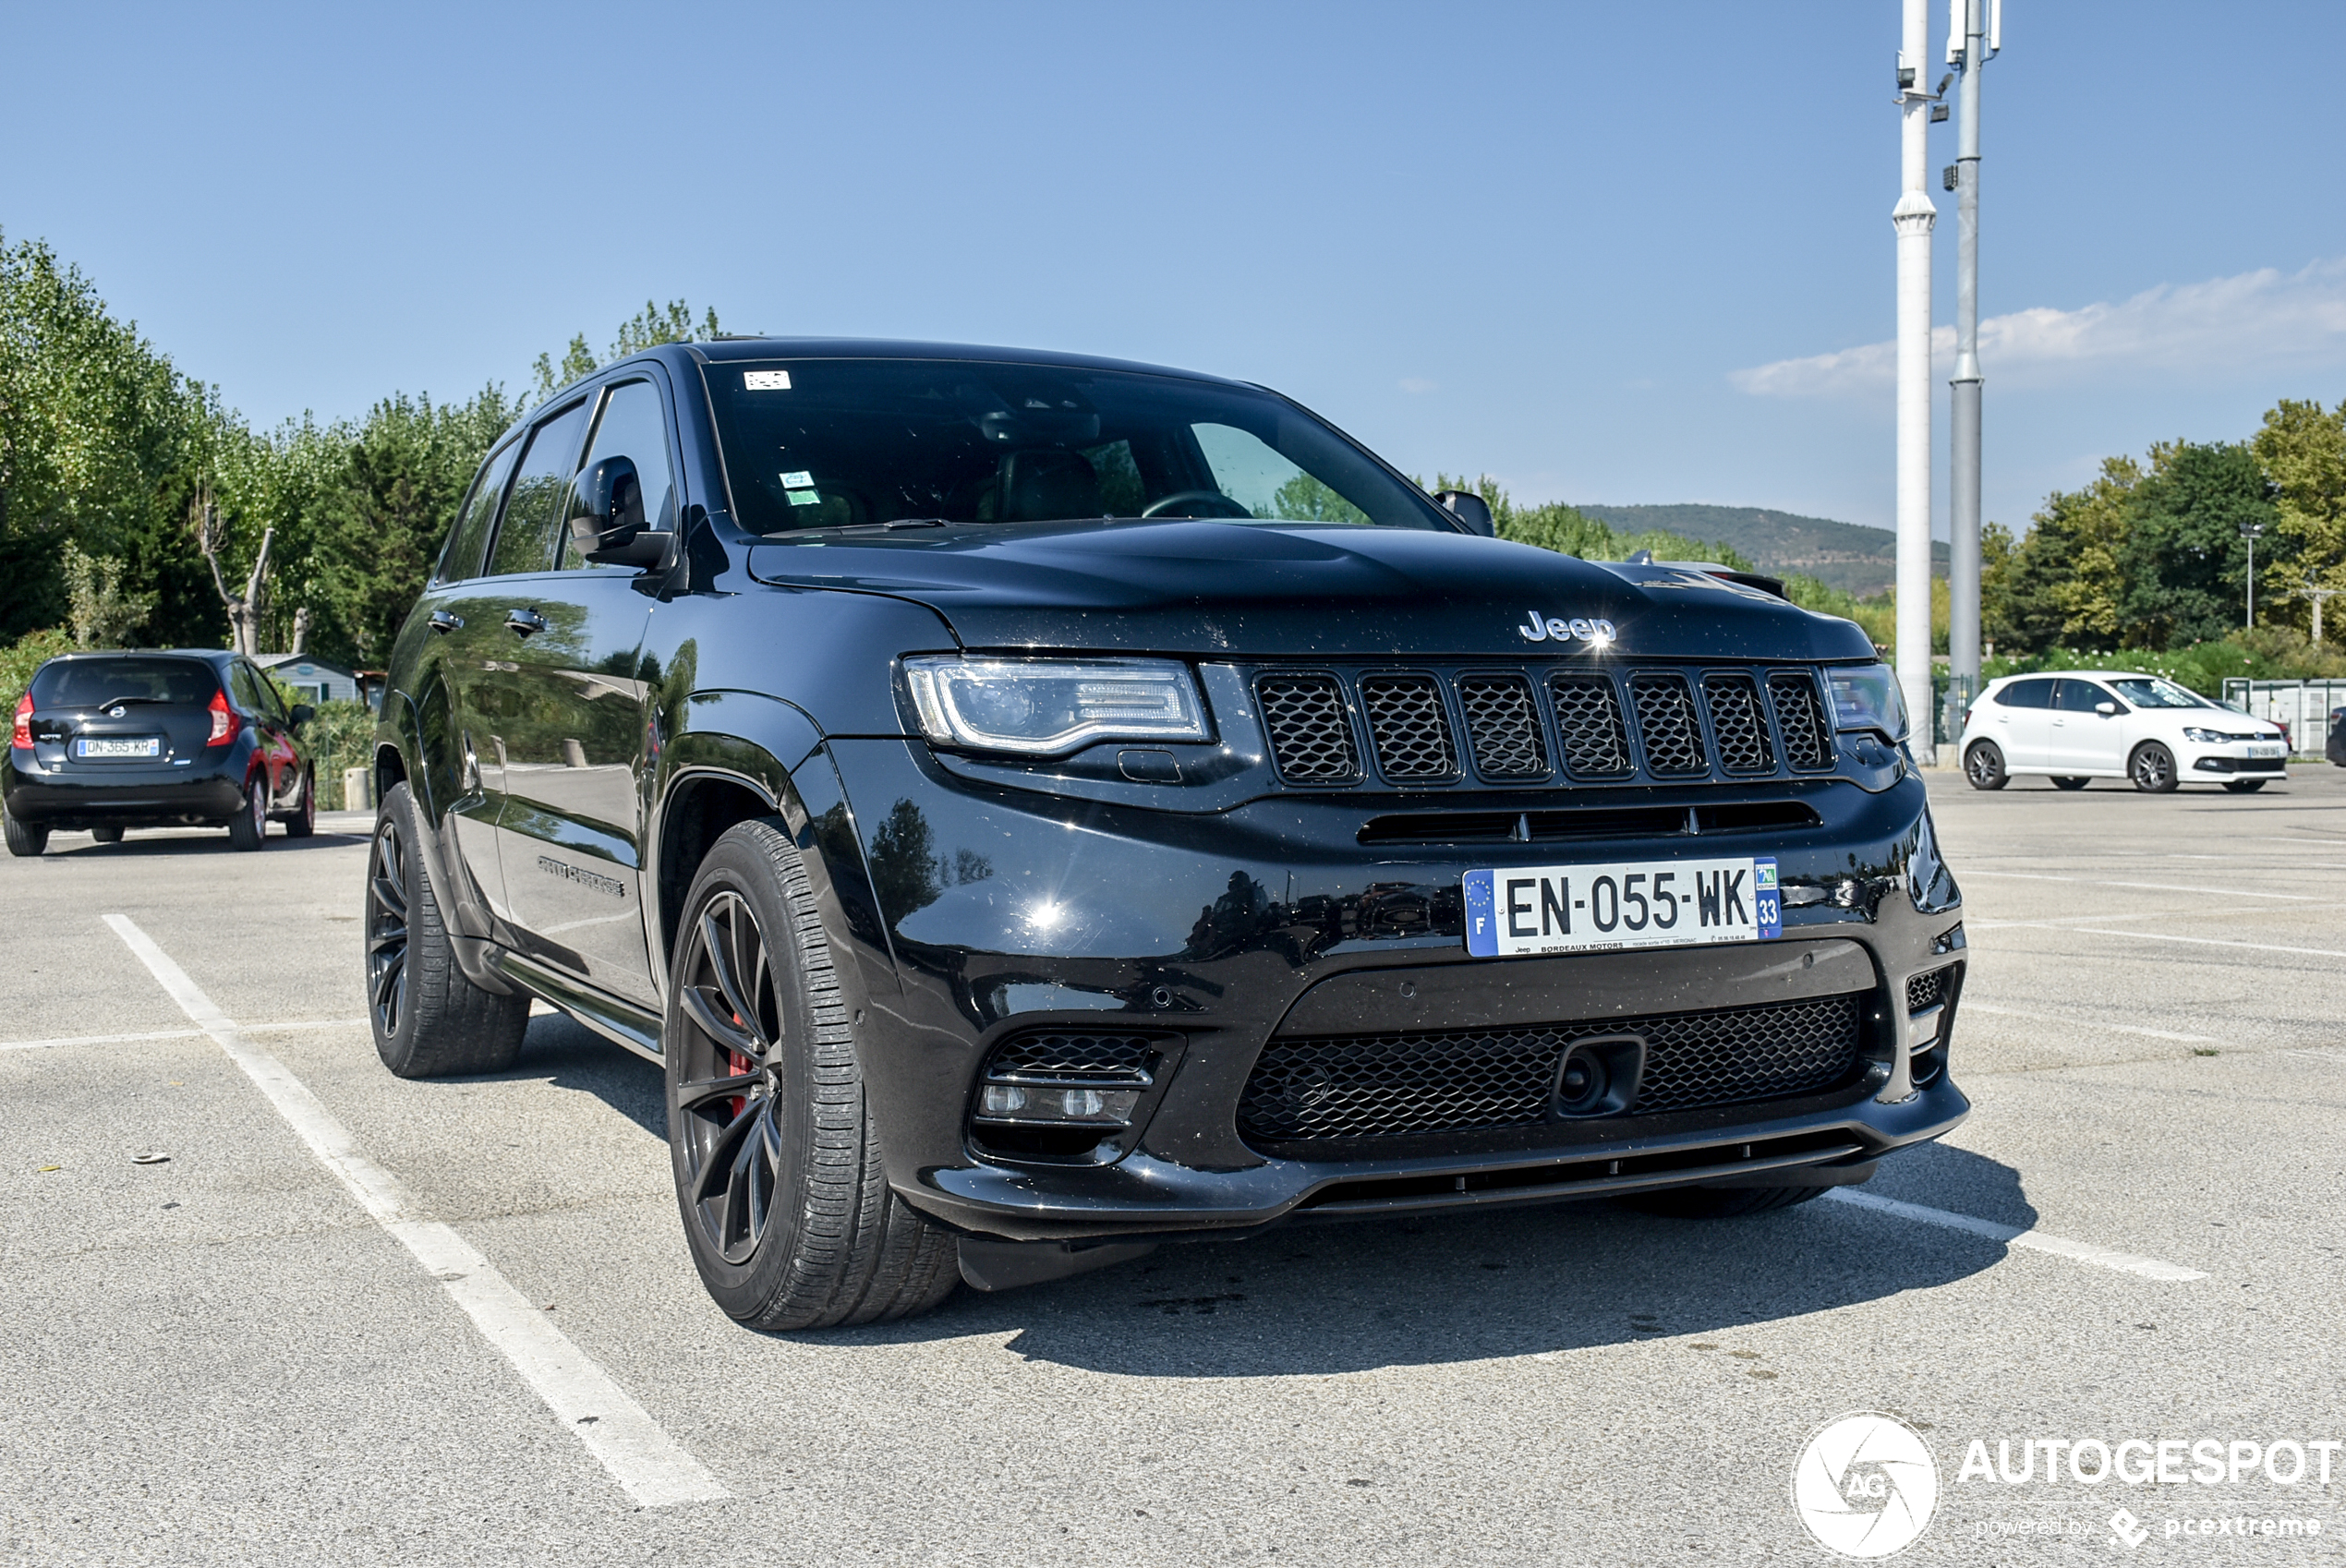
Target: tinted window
{"points": [[2080, 696], [95, 682], [244, 688], [812, 443], [634, 427], [462, 559], [2026, 693], [525, 538]]}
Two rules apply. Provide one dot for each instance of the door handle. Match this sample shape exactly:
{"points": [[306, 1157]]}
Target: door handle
{"points": [[444, 622], [522, 623]]}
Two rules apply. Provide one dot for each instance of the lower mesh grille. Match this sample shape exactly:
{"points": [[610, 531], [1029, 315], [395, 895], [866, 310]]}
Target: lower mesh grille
{"points": [[1474, 1080], [1929, 990], [1121, 1057]]}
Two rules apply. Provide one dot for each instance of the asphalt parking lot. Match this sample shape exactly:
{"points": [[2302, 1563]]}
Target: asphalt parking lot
{"points": [[225, 1356]]}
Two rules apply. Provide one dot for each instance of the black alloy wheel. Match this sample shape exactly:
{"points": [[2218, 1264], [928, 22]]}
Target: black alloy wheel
{"points": [[248, 829], [2246, 786], [304, 821], [428, 1018], [1984, 765], [779, 1180], [387, 928], [2152, 768], [726, 1083], [2069, 781]]}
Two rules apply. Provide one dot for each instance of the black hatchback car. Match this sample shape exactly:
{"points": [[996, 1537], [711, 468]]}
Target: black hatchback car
{"points": [[1038, 807], [176, 737]]}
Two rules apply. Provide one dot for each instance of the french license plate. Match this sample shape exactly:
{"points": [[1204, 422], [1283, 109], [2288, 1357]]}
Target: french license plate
{"points": [[1587, 908], [150, 747], [2273, 751]]}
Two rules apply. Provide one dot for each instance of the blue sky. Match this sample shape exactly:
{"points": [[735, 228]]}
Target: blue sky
{"points": [[1628, 253]]}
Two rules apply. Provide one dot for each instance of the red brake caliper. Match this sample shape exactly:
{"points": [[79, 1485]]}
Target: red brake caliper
{"points": [[735, 1065]]}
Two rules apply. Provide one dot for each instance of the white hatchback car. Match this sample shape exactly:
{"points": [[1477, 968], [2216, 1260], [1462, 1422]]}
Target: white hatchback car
{"points": [[2078, 725]]}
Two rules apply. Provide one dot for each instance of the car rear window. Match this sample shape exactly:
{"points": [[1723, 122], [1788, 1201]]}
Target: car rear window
{"points": [[95, 682]]}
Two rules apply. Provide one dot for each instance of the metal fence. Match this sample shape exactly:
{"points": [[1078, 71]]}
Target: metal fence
{"points": [[2302, 707]]}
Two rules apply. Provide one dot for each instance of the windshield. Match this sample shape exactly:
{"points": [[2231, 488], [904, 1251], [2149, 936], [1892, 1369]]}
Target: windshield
{"points": [[829, 443], [95, 682], [2151, 692]]}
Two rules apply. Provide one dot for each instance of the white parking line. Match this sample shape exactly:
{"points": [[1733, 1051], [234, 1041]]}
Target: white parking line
{"points": [[2012, 1235], [2154, 886], [176, 1034], [2159, 937], [642, 1458], [1971, 1006]]}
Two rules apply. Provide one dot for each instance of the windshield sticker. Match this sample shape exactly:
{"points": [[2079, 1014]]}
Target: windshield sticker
{"points": [[803, 498], [765, 381], [798, 479]]}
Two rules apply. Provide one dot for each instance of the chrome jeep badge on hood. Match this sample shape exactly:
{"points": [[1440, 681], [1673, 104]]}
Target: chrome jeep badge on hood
{"points": [[1555, 628]]}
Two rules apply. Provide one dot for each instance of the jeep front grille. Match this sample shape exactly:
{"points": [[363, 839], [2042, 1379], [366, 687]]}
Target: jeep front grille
{"points": [[1420, 728]]}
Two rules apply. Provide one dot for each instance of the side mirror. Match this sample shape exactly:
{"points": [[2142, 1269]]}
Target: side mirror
{"points": [[607, 518], [1470, 509], [2108, 710], [302, 714]]}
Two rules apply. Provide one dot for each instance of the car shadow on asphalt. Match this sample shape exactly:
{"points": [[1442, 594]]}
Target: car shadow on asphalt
{"points": [[198, 841], [1352, 1296], [567, 1055]]}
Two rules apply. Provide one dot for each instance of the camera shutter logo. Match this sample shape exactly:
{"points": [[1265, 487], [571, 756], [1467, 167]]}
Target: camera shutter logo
{"points": [[1865, 1485]]}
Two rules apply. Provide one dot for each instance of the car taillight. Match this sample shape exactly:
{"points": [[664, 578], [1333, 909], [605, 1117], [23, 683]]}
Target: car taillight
{"points": [[22, 734], [224, 720]]}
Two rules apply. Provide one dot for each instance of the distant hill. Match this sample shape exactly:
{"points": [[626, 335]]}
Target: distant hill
{"points": [[1849, 555]]}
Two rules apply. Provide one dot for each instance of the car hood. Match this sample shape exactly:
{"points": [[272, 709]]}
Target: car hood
{"points": [[1212, 588]]}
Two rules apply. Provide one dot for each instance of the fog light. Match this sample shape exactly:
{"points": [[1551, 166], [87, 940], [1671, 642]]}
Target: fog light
{"points": [[1024, 1103]]}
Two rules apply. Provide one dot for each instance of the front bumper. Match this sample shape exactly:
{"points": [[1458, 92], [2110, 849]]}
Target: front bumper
{"points": [[205, 792], [991, 913]]}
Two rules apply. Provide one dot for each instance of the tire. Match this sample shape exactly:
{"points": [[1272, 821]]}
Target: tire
{"points": [[428, 1019], [106, 835], [248, 829], [26, 841], [784, 1198], [1722, 1203], [2152, 767], [2069, 781], [304, 822], [1984, 765], [2246, 786]]}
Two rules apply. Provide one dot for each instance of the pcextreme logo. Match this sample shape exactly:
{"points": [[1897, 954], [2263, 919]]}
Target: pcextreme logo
{"points": [[1865, 1485]]}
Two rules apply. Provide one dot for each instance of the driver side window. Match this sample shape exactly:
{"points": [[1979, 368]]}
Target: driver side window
{"points": [[632, 426]]}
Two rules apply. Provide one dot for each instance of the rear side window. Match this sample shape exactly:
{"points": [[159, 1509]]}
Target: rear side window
{"points": [[2026, 693], [525, 538], [634, 427], [471, 537], [95, 682], [246, 689]]}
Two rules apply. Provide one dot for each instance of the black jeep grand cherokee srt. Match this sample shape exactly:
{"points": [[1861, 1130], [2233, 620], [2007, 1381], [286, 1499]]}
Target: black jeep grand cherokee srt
{"points": [[1038, 806]]}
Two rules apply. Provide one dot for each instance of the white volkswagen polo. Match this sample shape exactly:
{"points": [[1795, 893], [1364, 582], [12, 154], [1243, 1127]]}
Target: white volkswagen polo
{"points": [[2079, 725]]}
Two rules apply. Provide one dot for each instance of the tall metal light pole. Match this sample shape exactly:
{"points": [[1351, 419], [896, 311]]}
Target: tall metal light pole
{"points": [[1913, 218], [1974, 33], [2249, 531]]}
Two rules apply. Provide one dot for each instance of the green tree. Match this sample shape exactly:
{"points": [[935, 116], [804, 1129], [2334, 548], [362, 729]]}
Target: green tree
{"points": [[2064, 579], [2303, 451], [102, 614], [2181, 555], [649, 328]]}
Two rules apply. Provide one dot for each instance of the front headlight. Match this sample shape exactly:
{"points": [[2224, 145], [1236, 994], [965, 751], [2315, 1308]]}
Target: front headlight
{"points": [[1039, 707], [2204, 737], [1865, 696]]}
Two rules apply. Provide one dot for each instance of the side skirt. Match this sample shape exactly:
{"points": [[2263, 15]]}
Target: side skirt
{"points": [[620, 1022]]}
